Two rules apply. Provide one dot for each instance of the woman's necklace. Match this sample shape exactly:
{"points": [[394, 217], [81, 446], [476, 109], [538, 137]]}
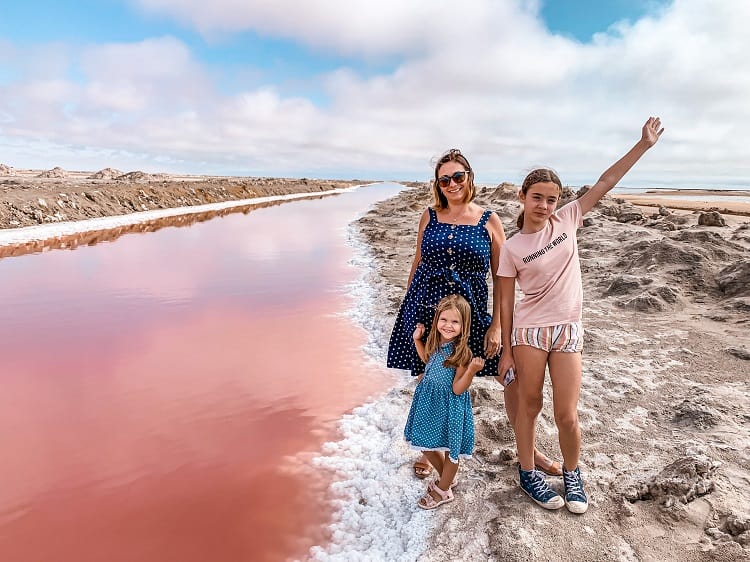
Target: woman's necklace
{"points": [[459, 215]]}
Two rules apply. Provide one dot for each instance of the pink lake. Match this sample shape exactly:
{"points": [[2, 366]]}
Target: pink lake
{"points": [[163, 392]]}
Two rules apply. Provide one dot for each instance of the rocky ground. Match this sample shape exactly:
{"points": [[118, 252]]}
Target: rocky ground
{"points": [[664, 401]]}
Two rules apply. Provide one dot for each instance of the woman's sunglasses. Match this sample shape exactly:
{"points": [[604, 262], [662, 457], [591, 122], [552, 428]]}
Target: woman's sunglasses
{"points": [[458, 177]]}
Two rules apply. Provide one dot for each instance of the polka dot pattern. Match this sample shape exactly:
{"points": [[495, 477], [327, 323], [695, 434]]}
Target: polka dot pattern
{"points": [[438, 419], [455, 260]]}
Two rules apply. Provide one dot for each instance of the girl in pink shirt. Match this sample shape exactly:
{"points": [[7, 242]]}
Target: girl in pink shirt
{"points": [[545, 328]]}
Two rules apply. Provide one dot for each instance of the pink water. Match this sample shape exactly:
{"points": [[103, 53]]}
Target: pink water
{"points": [[162, 394]]}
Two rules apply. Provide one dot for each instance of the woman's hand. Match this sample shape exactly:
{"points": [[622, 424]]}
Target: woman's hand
{"points": [[418, 332], [492, 340]]}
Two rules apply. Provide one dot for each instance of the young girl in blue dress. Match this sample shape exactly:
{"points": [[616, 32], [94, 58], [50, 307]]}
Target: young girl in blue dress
{"points": [[440, 422]]}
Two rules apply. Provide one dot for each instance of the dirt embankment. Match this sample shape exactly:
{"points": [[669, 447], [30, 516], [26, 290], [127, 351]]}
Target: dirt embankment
{"points": [[32, 197]]}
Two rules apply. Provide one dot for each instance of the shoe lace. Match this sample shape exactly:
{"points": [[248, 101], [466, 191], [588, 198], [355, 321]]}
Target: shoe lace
{"points": [[538, 484], [572, 483]]}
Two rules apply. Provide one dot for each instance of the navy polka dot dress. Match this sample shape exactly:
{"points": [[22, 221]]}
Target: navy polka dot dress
{"points": [[455, 260], [438, 419]]}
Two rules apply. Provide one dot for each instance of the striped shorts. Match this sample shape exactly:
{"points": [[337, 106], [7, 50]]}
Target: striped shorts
{"points": [[567, 338]]}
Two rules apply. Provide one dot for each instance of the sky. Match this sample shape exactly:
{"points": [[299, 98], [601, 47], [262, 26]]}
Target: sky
{"points": [[377, 90]]}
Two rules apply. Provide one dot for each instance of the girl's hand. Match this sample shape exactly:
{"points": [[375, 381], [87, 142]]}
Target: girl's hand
{"points": [[418, 332], [492, 341], [506, 362], [476, 364], [652, 130]]}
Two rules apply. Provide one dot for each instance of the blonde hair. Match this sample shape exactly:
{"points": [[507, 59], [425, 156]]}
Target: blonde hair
{"points": [[461, 353], [453, 155], [540, 175]]}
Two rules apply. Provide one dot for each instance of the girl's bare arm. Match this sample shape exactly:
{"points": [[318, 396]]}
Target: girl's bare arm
{"points": [[508, 300], [418, 343], [464, 375], [650, 133]]}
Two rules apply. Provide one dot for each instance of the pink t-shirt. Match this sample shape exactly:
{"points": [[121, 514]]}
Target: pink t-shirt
{"points": [[547, 269]]}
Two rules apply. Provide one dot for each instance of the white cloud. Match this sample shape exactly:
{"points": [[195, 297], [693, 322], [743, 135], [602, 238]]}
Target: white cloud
{"points": [[486, 77], [354, 27]]}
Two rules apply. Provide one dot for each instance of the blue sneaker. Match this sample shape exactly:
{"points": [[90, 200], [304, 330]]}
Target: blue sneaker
{"points": [[575, 497], [534, 484]]}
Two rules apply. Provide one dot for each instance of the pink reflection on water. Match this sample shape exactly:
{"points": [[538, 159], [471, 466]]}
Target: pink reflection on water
{"points": [[157, 390]]}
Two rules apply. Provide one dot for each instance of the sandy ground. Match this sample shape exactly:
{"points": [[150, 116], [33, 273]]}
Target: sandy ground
{"points": [[727, 207], [664, 401]]}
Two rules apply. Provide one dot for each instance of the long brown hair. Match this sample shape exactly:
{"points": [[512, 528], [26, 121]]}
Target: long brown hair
{"points": [[537, 176], [461, 353], [453, 155]]}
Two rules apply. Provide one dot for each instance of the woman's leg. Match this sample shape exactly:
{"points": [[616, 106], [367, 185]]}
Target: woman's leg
{"points": [[422, 467], [530, 366], [565, 373]]}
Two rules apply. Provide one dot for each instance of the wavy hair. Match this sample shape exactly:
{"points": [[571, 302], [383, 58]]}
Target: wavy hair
{"points": [[461, 353]]}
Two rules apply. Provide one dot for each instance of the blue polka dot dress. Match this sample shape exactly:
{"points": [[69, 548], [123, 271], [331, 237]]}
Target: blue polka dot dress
{"points": [[438, 419], [455, 260]]}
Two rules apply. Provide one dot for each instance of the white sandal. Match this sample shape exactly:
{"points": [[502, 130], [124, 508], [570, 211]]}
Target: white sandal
{"points": [[428, 502]]}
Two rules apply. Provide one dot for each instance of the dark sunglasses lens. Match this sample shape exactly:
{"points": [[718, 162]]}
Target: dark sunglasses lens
{"points": [[458, 177]]}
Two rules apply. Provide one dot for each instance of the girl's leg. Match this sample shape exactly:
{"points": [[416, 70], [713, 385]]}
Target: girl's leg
{"points": [[436, 459], [448, 475], [530, 364], [565, 372], [421, 467], [510, 395], [446, 469]]}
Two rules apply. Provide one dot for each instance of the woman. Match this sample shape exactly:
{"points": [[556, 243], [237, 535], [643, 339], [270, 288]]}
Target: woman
{"points": [[457, 243]]}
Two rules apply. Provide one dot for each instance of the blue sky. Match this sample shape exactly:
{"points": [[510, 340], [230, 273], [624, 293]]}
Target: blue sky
{"points": [[320, 88]]}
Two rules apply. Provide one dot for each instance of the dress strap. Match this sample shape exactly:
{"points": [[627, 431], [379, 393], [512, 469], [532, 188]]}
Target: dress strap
{"points": [[485, 217], [433, 214]]}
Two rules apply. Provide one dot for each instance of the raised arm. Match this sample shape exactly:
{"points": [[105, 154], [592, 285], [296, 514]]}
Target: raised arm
{"points": [[650, 133]]}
